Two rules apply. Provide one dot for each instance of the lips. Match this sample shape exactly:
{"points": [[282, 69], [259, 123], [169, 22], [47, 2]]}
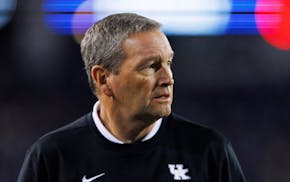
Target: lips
{"points": [[162, 97]]}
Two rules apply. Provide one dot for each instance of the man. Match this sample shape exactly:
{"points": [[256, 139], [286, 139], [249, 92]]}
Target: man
{"points": [[131, 134]]}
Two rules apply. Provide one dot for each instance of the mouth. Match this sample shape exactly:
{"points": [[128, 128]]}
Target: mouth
{"points": [[162, 98]]}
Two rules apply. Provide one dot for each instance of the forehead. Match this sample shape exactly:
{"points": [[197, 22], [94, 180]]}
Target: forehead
{"points": [[147, 43]]}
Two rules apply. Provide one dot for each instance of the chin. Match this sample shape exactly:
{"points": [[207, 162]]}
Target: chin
{"points": [[164, 112], [159, 111]]}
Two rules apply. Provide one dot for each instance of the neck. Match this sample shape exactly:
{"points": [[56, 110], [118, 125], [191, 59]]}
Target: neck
{"points": [[124, 127]]}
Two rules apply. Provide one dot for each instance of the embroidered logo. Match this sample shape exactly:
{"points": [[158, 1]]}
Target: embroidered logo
{"points": [[178, 172], [92, 178]]}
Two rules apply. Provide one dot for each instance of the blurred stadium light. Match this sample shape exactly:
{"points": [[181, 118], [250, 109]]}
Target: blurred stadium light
{"points": [[180, 17], [7, 8], [273, 22], [183, 17]]}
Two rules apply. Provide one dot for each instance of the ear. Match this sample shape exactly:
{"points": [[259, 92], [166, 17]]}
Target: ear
{"points": [[100, 77]]}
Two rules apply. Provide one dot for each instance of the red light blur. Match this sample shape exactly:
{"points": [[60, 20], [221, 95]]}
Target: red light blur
{"points": [[273, 22]]}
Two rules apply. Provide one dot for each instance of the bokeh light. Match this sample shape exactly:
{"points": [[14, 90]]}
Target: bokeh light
{"points": [[269, 18], [242, 20], [7, 8], [82, 19], [59, 15], [183, 17], [273, 22], [189, 17]]}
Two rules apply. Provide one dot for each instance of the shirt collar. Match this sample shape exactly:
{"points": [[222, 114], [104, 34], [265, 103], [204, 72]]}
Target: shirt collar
{"points": [[103, 130]]}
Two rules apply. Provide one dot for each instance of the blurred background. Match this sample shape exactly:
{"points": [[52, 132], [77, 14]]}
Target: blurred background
{"points": [[231, 69]]}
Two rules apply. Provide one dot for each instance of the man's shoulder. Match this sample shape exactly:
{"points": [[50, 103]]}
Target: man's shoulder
{"points": [[71, 132], [73, 127], [193, 130]]}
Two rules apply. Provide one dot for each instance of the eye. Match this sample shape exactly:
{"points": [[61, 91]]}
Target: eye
{"points": [[152, 65], [170, 63], [156, 66]]}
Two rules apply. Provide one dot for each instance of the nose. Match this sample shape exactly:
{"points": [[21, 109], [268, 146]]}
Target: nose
{"points": [[166, 77]]}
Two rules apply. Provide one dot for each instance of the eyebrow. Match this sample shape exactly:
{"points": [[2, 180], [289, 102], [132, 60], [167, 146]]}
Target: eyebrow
{"points": [[157, 57]]}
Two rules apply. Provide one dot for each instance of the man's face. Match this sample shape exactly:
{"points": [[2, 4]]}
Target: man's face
{"points": [[144, 86]]}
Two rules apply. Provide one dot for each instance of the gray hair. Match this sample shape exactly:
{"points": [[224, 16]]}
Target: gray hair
{"points": [[102, 43]]}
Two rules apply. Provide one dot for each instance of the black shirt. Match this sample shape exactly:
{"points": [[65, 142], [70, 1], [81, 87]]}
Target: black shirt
{"points": [[180, 151]]}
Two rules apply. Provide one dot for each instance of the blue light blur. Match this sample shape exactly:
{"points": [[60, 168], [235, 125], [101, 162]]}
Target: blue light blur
{"points": [[246, 6], [242, 24], [60, 6], [59, 16], [242, 19], [7, 8], [59, 23]]}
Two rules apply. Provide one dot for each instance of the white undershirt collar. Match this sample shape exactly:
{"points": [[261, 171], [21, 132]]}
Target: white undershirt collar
{"points": [[103, 130]]}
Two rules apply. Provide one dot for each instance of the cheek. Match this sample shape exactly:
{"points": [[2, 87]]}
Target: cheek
{"points": [[140, 86]]}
